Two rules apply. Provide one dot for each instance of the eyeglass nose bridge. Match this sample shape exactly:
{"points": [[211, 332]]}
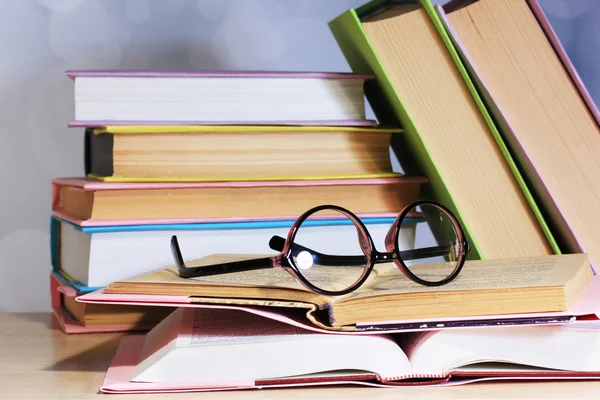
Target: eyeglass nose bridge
{"points": [[379, 257]]}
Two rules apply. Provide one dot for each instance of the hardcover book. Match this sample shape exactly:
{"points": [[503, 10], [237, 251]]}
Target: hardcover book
{"points": [[89, 202], [532, 90], [93, 257], [421, 82], [218, 98], [76, 317], [236, 153], [206, 349]]}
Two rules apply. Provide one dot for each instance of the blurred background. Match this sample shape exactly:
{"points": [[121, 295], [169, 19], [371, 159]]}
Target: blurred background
{"points": [[40, 39]]}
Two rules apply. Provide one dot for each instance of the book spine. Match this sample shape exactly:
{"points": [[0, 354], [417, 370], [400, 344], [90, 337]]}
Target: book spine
{"points": [[54, 244], [55, 195], [392, 379]]}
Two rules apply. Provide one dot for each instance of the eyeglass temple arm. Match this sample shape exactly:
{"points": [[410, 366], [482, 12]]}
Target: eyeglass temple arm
{"points": [[215, 269], [277, 242]]}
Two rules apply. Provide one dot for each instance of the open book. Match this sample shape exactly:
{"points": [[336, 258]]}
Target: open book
{"points": [[210, 349], [484, 287]]}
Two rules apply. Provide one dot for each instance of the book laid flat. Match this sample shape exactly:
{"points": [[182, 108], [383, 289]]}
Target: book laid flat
{"points": [[216, 153], [97, 256], [585, 311], [422, 84], [89, 202], [210, 349], [77, 317], [484, 287], [543, 116], [218, 98]]}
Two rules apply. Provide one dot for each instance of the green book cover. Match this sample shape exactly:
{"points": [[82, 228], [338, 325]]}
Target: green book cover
{"points": [[352, 39]]}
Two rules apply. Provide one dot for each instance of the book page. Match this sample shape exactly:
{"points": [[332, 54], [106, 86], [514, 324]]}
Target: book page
{"points": [[338, 277], [532, 284], [527, 272], [551, 347], [216, 327], [224, 346]]}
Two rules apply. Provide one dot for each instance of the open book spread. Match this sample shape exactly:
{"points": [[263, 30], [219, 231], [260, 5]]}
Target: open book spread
{"points": [[217, 348], [484, 287]]}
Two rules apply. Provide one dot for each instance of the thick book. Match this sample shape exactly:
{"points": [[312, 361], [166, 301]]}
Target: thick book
{"points": [[449, 136], [93, 257], [236, 153], [76, 317], [484, 287], [584, 311], [542, 109], [218, 350], [122, 97], [89, 202]]}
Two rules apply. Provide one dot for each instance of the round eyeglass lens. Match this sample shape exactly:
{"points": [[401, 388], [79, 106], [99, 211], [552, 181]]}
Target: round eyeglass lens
{"points": [[429, 243], [330, 251]]}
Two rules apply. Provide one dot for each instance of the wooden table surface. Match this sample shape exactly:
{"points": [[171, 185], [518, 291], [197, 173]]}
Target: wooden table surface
{"points": [[38, 361]]}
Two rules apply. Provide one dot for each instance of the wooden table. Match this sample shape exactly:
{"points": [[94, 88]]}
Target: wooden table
{"points": [[37, 361]]}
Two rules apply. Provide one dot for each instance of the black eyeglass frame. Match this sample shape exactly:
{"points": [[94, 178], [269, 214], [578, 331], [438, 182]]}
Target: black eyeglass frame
{"points": [[286, 247]]}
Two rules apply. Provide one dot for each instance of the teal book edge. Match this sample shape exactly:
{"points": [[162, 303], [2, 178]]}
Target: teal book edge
{"points": [[352, 40], [56, 222]]}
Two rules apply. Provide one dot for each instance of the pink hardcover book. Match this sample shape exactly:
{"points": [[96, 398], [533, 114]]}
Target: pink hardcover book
{"points": [[81, 190], [67, 323], [119, 377], [137, 97], [229, 350]]}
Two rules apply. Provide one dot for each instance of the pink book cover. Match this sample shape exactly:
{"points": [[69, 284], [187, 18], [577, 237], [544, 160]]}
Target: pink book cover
{"points": [[93, 185], [68, 324], [121, 371], [216, 74], [120, 375], [73, 74], [118, 378], [585, 310]]}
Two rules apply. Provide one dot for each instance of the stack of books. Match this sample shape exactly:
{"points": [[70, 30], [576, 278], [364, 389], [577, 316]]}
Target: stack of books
{"points": [[224, 160], [494, 116]]}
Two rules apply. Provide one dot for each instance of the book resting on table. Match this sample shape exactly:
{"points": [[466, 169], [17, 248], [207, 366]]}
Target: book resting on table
{"points": [[203, 349]]}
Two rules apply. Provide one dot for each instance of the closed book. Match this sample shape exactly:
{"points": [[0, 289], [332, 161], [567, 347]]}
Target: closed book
{"points": [[449, 134], [130, 97], [76, 317], [216, 153], [89, 202], [93, 257], [207, 349], [542, 109]]}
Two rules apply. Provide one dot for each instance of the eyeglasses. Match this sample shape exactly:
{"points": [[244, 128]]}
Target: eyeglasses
{"points": [[339, 265]]}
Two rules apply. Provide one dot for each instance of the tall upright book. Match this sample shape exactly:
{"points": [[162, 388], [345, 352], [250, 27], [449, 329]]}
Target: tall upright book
{"points": [[542, 108], [455, 143]]}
